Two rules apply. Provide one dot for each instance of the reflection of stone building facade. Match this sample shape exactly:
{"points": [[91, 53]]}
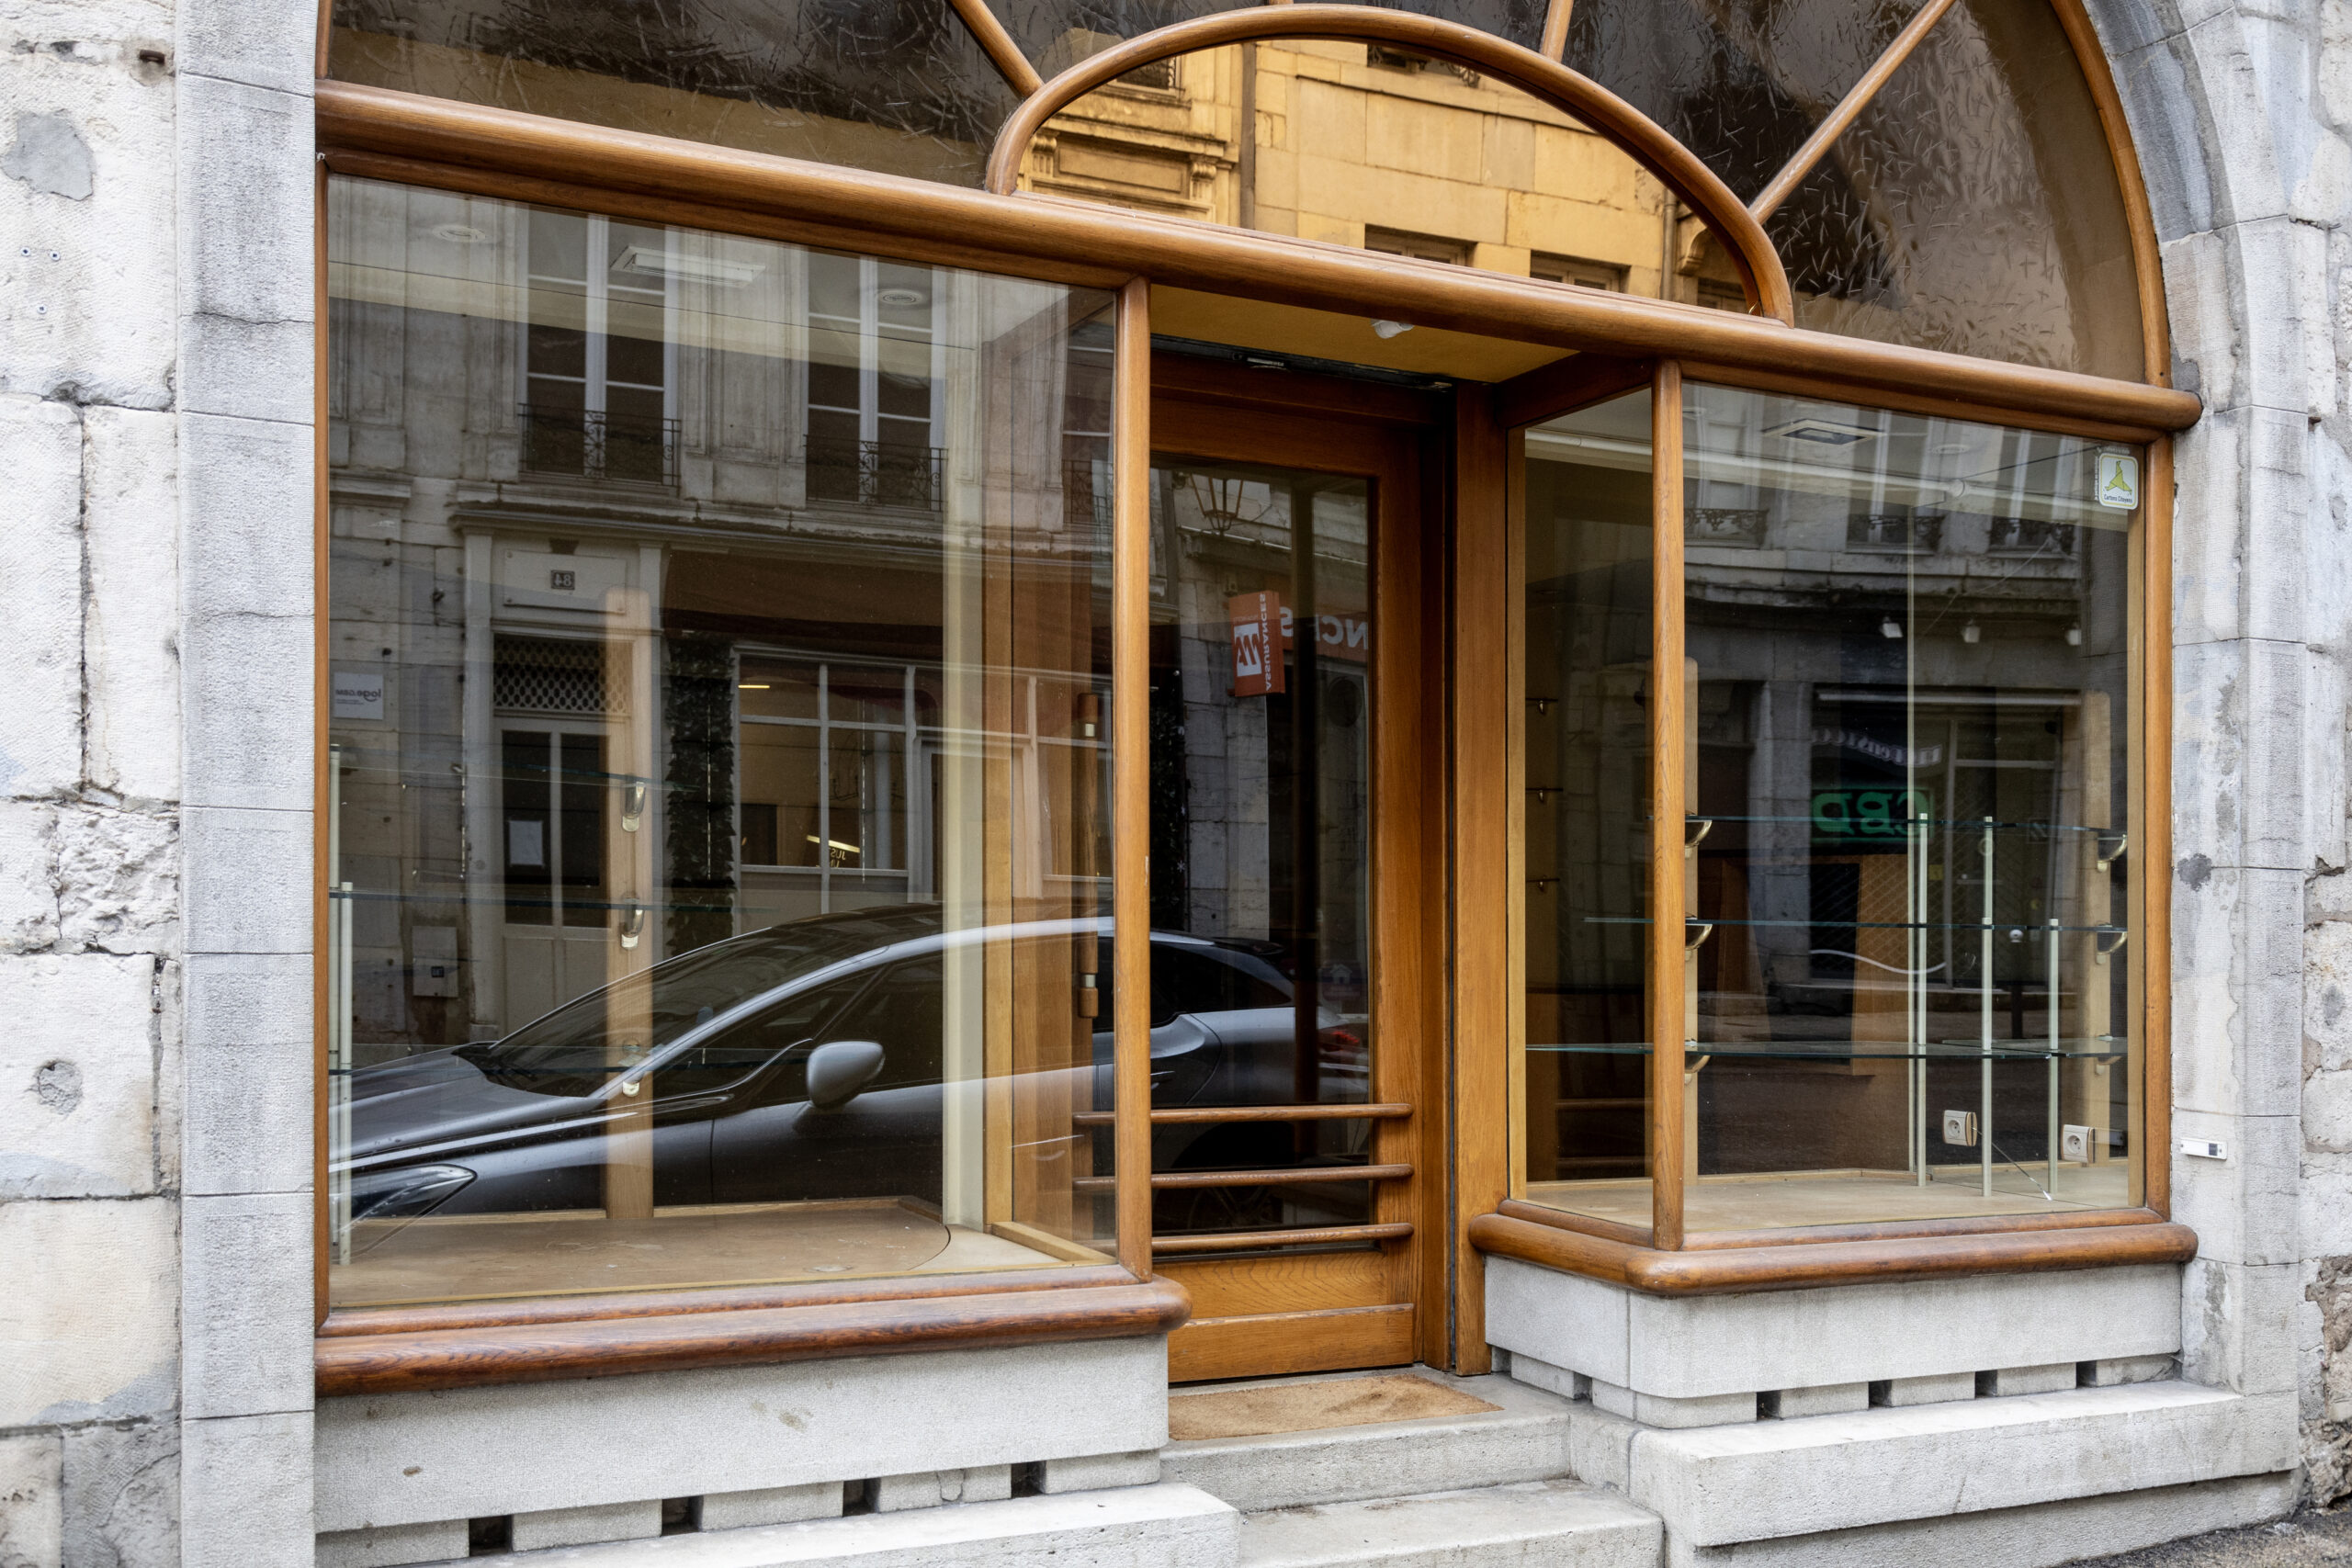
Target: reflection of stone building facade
{"points": [[596, 700], [1365, 145]]}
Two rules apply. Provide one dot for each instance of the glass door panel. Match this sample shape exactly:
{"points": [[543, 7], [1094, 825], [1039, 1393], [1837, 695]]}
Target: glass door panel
{"points": [[1262, 954]]}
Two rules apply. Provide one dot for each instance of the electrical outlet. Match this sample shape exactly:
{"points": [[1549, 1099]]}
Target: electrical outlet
{"points": [[1959, 1127], [2075, 1144]]}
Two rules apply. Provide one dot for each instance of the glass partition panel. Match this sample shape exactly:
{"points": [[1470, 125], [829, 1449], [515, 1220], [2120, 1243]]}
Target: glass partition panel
{"points": [[1909, 646], [895, 85], [1584, 494], [718, 856], [1261, 843], [1370, 145]]}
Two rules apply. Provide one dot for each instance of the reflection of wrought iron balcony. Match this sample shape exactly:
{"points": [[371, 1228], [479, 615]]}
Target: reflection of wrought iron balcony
{"points": [[1742, 527], [870, 473], [1086, 493], [2031, 535], [589, 446], [1912, 533]]}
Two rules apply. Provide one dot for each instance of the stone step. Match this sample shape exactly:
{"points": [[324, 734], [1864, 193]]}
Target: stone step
{"points": [[1132, 1527], [1542, 1524], [1525, 1439]]}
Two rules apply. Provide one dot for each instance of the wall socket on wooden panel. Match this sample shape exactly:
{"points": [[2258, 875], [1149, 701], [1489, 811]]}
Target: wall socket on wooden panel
{"points": [[2075, 1144], [1959, 1127]]}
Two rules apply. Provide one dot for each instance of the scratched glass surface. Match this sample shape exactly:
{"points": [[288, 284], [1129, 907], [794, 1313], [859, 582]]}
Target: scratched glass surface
{"points": [[1974, 206], [899, 86]]}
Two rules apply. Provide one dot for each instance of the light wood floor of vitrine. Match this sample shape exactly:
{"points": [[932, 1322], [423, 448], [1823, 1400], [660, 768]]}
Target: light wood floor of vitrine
{"points": [[1840, 1197], [470, 1257]]}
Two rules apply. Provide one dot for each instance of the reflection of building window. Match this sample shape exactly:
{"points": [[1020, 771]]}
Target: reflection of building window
{"points": [[873, 387], [1420, 247], [1583, 274], [595, 366], [1910, 533], [1160, 74], [1718, 295], [1739, 526], [1390, 57], [544, 674], [825, 753]]}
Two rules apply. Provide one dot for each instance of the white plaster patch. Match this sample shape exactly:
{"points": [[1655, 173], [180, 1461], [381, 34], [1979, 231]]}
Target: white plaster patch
{"points": [[91, 1333], [77, 1088]]}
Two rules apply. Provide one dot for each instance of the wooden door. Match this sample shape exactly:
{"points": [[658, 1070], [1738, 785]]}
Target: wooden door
{"points": [[1298, 1162]]}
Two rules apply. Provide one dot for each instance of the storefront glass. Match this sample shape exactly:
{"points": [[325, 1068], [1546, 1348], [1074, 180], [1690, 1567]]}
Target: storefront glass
{"points": [[717, 858], [1910, 990], [1585, 501]]}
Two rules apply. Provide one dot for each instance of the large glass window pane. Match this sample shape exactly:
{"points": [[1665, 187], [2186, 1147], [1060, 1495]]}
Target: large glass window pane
{"points": [[895, 85], [718, 854], [1909, 647], [1585, 493]]}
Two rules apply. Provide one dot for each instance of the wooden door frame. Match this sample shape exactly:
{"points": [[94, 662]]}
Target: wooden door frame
{"points": [[1397, 437]]}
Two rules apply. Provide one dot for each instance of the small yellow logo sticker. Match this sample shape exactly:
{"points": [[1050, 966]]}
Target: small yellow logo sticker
{"points": [[2119, 480]]}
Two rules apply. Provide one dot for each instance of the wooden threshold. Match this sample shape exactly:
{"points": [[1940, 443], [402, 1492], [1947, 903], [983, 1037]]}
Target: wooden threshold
{"points": [[1803, 1265], [1275, 1344]]}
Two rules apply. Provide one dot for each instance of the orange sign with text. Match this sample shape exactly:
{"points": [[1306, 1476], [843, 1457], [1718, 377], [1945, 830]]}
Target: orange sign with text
{"points": [[1257, 657], [1264, 629]]}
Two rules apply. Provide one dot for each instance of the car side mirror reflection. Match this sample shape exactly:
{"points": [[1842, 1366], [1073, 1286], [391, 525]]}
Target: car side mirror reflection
{"points": [[838, 1069]]}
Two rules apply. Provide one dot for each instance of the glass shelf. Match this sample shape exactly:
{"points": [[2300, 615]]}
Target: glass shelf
{"points": [[2111, 1048]]}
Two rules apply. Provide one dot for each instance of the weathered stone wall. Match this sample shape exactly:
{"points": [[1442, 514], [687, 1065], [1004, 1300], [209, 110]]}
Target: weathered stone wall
{"points": [[2241, 114], [156, 196]]}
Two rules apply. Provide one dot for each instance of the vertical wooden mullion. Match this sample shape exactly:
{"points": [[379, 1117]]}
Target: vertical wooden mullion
{"points": [[1665, 969], [1483, 893], [1130, 772], [2151, 844], [1514, 624]]}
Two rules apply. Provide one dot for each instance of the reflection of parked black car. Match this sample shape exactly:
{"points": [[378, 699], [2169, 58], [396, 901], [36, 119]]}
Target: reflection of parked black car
{"points": [[803, 1062]]}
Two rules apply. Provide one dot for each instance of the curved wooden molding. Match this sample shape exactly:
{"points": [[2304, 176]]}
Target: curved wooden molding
{"points": [[544, 1351], [377, 133], [1802, 1265], [1638, 135]]}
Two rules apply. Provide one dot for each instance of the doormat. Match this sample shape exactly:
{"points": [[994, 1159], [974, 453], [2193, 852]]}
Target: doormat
{"points": [[1259, 1410]]}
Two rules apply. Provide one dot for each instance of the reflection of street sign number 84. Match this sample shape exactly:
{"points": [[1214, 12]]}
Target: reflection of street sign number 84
{"points": [[1868, 813]]}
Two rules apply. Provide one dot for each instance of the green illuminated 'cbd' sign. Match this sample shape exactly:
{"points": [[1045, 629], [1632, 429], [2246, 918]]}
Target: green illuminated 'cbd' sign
{"points": [[1868, 813]]}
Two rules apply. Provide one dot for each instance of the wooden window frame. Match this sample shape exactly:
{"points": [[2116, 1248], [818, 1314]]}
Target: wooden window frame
{"points": [[1619, 341], [1662, 1257]]}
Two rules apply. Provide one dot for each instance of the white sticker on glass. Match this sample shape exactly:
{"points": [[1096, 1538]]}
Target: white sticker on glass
{"points": [[527, 841], [2119, 480], [357, 694]]}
